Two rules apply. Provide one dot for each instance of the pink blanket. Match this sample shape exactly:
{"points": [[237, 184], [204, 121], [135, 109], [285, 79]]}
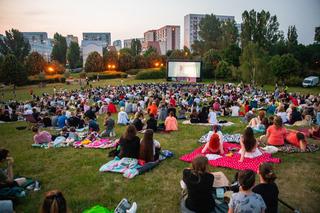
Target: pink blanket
{"points": [[98, 144], [233, 161]]}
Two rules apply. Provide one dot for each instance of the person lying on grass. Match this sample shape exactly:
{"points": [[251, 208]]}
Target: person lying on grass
{"points": [[297, 139], [214, 141], [245, 200]]}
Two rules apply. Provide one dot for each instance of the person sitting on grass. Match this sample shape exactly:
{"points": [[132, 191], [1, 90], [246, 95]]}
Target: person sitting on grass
{"points": [[129, 143], [214, 141], [152, 123], [203, 115], [54, 202], [138, 121], [248, 145], [123, 118], [267, 188], [276, 133], [297, 139], [194, 116], [245, 200], [199, 184], [109, 126], [171, 123], [149, 147], [92, 124], [42, 137], [212, 117]]}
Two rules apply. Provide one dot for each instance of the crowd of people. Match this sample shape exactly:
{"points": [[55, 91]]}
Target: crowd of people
{"points": [[150, 108]]}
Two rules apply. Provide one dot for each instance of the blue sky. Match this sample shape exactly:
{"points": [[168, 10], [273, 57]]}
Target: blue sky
{"points": [[131, 18]]}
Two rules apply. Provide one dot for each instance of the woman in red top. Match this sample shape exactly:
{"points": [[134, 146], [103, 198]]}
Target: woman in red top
{"points": [[276, 133], [297, 139], [112, 108]]}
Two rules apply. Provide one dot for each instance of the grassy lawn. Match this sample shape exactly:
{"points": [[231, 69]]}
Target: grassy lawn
{"points": [[75, 171]]}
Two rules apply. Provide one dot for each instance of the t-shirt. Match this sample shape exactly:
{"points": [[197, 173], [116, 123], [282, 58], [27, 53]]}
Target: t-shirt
{"points": [[212, 118], [109, 124], [252, 203], [200, 197], [42, 137], [235, 110], [291, 138], [129, 148], [269, 193], [62, 121], [276, 136], [93, 125]]}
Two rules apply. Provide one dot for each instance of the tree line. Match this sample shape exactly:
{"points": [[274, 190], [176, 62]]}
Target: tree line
{"points": [[260, 53]]}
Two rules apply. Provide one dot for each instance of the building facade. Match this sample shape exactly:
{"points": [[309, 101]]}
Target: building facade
{"points": [[71, 38], [127, 42], [191, 27], [94, 42], [39, 42], [117, 44]]}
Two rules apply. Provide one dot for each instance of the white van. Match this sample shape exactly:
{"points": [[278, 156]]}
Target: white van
{"points": [[310, 81]]}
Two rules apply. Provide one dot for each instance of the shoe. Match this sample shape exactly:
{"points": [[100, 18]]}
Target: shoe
{"points": [[133, 208], [123, 206], [30, 187], [37, 186]]}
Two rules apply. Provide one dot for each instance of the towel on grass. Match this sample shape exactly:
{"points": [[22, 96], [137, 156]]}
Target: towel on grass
{"points": [[233, 160], [103, 143], [289, 148], [232, 138], [130, 167], [187, 122]]}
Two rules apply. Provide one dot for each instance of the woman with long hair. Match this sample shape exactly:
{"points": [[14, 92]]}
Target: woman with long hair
{"points": [[54, 202], [214, 141], [149, 148], [267, 188], [248, 145], [199, 186], [129, 143]]}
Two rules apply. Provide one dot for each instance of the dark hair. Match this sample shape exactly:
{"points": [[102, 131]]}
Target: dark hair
{"points": [[109, 113], [54, 202], [266, 171], [301, 136], [146, 146], [249, 141], [3, 154], [199, 165], [34, 129], [277, 121], [246, 179], [171, 114], [130, 132], [215, 128]]}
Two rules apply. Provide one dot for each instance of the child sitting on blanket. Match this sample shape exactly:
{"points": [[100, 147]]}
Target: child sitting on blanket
{"points": [[109, 126], [248, 145], [297, 139], [246, 200], [214, 141], [41, 137], [72, 137]]}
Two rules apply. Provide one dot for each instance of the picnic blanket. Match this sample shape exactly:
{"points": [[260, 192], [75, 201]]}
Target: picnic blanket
{"points": [[187, 122], [131, 167], [289, 148], [103, 143], [232, 160], [232, 138], [46, 146]]}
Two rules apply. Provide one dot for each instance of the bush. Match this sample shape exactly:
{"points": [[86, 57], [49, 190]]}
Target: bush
{"points": [[151, 74], [107, 75], [37, 79], [83, 74], [136, 71], [294, 81]]}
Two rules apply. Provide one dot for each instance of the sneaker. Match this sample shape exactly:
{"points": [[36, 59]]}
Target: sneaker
{"points": [[31, 186], [37, 186], [133, 208], [123, 206]]}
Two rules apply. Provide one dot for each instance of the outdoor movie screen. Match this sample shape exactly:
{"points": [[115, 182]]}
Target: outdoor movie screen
{"points": [[185, 69]]}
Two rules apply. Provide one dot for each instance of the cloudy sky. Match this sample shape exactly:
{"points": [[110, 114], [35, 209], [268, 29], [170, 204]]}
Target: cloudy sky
{"points": [[130, 18]]}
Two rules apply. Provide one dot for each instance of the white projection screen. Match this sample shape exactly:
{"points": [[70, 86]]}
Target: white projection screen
{"points": [[184, 69]]}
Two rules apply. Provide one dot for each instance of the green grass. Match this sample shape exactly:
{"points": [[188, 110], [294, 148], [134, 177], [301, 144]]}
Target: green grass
{"points": [[75, 171]]}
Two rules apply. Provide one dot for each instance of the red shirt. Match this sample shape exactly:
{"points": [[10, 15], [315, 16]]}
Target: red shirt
{"points": [[276, 136], [292, 139]]}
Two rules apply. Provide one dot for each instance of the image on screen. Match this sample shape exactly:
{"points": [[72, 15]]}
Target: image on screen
{"points": [[184, 69]]}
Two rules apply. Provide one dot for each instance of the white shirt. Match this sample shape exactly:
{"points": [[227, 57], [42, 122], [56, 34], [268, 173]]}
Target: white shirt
{"points": [[235, 110], [212, 118], [283, 116], [123, 118]]}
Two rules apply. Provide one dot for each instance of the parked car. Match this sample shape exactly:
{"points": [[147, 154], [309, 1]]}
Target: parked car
{"points": [[310, 81]]}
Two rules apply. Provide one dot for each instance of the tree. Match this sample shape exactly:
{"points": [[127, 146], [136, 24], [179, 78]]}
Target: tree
{"points": [[210, 32], [231, 55], [292, 36], [94, 63], [254, 67], [13, 71], [141, 62], [229, 33], [317, 34], [126, 61], [260, 28], [110, 58], [14, 43], [199, 47], [150, 51], [59, 50], [284, 66], [136, 47], [223, 70], [35, 64], [211, 59], [73, 55]]}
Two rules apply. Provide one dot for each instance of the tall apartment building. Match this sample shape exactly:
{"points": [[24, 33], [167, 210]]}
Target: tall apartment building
{"points": [[71, 38], [39, 42], [163, 39], [117, 44], [127, 42], [191, 27], [94, 42]]}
